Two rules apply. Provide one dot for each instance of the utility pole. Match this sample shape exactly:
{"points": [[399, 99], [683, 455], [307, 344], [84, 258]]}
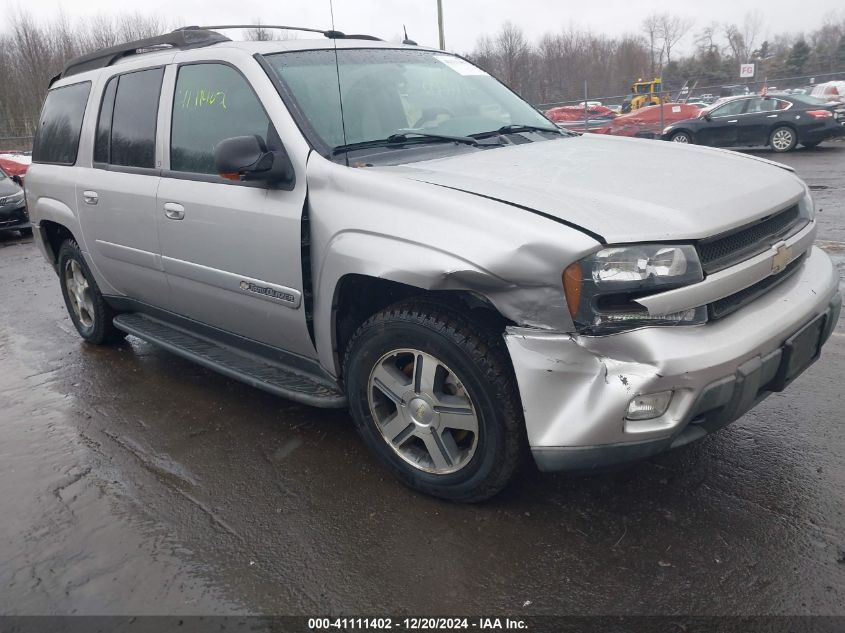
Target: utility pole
{"points": [[440, 24]]}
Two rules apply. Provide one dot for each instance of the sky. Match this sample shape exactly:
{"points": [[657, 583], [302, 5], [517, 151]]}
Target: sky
{"points": [[464, 20]]}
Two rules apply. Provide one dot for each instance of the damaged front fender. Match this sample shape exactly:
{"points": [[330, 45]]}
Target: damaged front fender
{"points": [[373, 223]]}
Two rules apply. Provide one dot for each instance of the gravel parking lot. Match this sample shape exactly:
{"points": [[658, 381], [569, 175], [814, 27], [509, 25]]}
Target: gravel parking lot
{"points": [[135, 482]]}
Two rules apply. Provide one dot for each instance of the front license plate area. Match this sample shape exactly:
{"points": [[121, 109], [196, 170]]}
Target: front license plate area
{"points": [[799, 352]]}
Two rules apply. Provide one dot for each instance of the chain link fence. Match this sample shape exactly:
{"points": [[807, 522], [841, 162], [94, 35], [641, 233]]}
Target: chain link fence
{"points": [[716, 90], [15, 144]]}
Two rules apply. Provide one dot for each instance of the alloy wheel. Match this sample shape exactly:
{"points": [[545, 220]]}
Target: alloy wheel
{"points": [[423, 411], [782, 139], [79, 293]]}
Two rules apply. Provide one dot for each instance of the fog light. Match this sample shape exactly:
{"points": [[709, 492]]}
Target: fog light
{"points": [[649, 406]]}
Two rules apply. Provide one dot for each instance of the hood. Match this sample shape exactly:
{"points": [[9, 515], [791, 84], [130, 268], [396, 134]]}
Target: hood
{"points": [[8, 187], [621, 189]]}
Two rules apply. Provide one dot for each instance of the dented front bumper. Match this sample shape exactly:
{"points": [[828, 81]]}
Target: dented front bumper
{"points": [[576, 390]]}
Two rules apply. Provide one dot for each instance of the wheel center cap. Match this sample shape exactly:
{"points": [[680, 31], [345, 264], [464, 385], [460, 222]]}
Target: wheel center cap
{"points": [[421, 412]]}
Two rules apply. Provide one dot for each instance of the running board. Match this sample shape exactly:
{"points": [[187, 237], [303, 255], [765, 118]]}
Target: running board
{"points": [[258, 372]]}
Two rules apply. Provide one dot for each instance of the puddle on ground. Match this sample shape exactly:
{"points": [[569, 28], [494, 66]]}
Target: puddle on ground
{"points": [[71, 532]]}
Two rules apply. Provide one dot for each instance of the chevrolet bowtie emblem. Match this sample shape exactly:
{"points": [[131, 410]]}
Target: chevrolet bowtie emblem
{"points": [[781, 259]]}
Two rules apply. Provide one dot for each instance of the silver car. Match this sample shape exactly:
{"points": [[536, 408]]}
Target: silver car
{"points": [[351, 223]]}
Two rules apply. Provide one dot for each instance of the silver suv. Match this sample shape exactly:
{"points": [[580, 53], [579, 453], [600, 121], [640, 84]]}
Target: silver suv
{"points": [[351, 223]]}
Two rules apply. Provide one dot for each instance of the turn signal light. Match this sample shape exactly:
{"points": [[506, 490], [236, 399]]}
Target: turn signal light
{"points": [[572, 287]]}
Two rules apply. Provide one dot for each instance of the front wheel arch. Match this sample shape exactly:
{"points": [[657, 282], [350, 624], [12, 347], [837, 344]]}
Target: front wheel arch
{"points": [[358, 297]]}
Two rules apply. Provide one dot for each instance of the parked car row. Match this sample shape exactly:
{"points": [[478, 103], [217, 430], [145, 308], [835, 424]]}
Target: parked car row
{"points": [[780, 121]]}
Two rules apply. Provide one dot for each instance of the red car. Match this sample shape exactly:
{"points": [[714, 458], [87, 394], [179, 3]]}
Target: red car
{"points": [[645, 122], [13, 167]]}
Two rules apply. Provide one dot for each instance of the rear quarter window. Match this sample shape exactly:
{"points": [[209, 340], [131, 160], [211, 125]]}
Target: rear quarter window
{"points": [[60, 125]]}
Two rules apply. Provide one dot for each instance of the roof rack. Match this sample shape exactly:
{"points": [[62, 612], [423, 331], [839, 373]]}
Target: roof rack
{"points": [[331, 34], [181, 38]]}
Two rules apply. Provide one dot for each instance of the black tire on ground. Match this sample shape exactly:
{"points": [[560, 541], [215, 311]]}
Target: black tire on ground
{"points": [[681, 137], [100, 330], [27, 232], [783, 139], [811, 145], [480, 362]]}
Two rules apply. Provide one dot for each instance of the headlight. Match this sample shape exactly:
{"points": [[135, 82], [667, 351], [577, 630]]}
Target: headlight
{"points": [[808, 204], [18, 197], [668, 129], [602, 289]]}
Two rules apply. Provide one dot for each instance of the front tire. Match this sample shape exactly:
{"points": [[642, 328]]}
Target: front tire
{"points": [[681, 137], [783, 139], [434, 398], [90, 313]]}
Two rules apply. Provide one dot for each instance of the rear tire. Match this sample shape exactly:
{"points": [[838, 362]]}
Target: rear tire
{"points": [[27, 232], [439, 369], [90, 313], [783, 139]]}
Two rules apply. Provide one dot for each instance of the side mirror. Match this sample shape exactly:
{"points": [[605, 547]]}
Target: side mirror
{"points": [[707, 117], [17, 180], [247, 158]]}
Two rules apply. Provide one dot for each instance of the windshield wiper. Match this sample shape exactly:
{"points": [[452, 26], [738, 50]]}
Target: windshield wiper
{"points": [[513, 128], [400, 138]]}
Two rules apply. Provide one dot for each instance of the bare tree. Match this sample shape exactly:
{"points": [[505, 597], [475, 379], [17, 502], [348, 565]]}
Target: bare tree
{"points": [[651, 28], [31, 53], [671, 29], [263, 34], [741, 40], [705, 39], [513, 50]]}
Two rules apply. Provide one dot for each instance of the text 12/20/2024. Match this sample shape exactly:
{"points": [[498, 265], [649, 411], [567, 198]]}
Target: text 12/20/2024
{"points": [[416, 624]]}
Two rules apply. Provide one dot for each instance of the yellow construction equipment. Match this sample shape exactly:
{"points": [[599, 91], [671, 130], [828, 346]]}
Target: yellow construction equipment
{"points": [[644, 93]]}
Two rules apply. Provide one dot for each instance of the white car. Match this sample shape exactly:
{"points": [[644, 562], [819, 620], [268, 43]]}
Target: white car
{"points": [[830, 90]]}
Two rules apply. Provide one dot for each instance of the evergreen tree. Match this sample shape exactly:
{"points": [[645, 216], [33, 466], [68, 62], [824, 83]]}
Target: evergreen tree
{"points": [[839, 55], [798, 57]]}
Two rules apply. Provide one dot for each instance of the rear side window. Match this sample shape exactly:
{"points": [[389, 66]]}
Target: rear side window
{"points": [[212, 102], [102, 143], [126, 129], [57, 138]]}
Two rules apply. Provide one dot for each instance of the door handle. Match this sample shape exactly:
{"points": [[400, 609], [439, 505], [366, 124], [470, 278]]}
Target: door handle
{"points": [[772, 116], [732, 121], [90, 197], [174, 211]]}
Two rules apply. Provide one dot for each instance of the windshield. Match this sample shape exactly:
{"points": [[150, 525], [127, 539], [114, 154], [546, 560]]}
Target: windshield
{"points": [[391, 91]]}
